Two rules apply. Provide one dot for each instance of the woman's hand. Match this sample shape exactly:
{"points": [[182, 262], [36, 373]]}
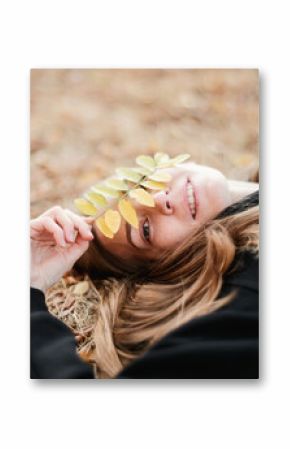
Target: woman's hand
{"points": [[58, 238]]}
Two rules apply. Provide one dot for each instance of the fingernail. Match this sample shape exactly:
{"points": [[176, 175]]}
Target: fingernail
{"points": [[72, 236]]}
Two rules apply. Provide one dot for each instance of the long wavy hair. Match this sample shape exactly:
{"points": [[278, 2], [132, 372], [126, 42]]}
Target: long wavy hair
{"points": [[137, 307]]}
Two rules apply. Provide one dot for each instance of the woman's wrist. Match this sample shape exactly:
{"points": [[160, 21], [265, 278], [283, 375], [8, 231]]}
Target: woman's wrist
{"points": [[37, 286], [36, 282]]}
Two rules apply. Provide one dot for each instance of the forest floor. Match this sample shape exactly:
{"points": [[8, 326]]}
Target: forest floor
{"points": [[85, 123]]}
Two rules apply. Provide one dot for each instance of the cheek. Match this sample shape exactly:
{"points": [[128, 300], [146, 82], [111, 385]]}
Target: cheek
{"points": [[171, 231], [218, 194]]}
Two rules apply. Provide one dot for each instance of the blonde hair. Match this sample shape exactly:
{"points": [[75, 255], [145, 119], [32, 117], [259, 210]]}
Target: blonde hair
{"points": [[132, 309]]}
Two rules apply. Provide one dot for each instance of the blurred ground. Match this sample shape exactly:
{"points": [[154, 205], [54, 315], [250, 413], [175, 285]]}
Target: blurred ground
{"points": [[84, 123]]}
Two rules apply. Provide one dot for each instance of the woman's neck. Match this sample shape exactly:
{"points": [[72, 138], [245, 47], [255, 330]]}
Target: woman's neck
{"points": [[240, 189]]}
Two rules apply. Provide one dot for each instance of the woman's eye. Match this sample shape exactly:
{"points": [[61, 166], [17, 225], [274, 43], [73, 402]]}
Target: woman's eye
{"points": [[146, 230]]}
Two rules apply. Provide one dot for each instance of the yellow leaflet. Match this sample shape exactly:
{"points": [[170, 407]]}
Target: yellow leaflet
{"points": [[142, 197], [128, 212], [81, 288], [129, 174], [154, 185], [96, 198], [160, 177], [146, 162], [113, 220], [143, 171], [116, 184], [105, 230], [179, 159], [99, 188], [166, 164], [85, 207], [161, 158]]}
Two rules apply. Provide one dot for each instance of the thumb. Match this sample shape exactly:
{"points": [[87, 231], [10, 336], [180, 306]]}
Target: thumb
{"points": [[77, 249], [89, 220]]}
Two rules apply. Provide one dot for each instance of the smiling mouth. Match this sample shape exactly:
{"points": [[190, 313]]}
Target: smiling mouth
{"points": [[191, 198]]}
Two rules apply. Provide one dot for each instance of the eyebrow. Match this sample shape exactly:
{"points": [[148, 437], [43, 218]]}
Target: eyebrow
{"points": [[129, 235]]}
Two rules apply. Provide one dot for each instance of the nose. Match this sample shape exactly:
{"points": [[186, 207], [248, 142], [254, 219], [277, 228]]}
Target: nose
{"points": [[162, 202]]}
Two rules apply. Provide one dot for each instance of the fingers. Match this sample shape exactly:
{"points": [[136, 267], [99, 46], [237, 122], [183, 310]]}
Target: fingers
{"points": [[79, 247], [82, 224], [89, 220], [72, 223], [74, 252], [67, 225], [46, 223]]}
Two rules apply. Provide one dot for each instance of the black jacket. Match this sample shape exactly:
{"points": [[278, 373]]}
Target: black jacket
{"points": [[52, 345], [222, 345]]}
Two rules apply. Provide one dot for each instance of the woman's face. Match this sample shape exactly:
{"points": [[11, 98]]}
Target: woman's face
{"points": [[194, 195]]}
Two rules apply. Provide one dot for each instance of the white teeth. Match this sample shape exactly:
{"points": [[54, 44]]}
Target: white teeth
{"points": [[190, 198]]}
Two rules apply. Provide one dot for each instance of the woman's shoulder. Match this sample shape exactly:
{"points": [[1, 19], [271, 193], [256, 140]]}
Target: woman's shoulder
{"points": [[220, 345], [245, 271], [244, 281]]}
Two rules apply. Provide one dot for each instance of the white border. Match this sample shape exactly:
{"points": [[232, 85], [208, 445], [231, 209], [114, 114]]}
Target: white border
{"points": [[144, 34]]}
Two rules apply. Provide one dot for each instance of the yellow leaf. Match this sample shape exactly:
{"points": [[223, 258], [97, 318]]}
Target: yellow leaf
{"points": [[154, 185], [146, 162], [161, 158], [116, 184], [85, 207], [105, 230], [99, 188], [160, 177], [128, 212], [96, 198], [113, 220], [143, 171], [81, 288], [179, 159], [128, 173], [142, 197]]}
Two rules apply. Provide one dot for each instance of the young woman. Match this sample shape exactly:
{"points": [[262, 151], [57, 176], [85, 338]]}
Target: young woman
{"points": [[168, 306]]}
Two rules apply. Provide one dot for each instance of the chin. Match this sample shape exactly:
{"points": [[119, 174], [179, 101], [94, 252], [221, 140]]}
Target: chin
{"points": [[218, 195]]}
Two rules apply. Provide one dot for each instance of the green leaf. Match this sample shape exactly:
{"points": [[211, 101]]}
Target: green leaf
{"points": [[85, 207], [116, 184], [129, 174], [128, 212], [146, 162], [142, 197]]}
